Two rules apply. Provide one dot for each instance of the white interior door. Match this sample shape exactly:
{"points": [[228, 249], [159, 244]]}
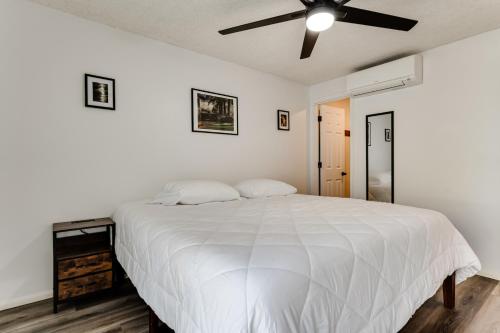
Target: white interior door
{"points": [[332, 151]]}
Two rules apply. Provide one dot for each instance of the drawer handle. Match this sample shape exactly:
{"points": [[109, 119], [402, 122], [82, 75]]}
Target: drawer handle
{"points": [[90, 263], [86, 265], [81, 286]]}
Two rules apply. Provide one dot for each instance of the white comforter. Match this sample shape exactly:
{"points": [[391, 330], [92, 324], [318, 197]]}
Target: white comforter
{"points": [[288, 264]]}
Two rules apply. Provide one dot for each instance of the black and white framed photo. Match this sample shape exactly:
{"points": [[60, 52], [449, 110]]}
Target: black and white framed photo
{"points": [[283, 120], [369, 133], [99, 92], [213, 113], [388, 136]]}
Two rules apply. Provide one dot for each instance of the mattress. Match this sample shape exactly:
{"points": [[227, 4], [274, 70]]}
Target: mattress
{"points": [[288, 264]]}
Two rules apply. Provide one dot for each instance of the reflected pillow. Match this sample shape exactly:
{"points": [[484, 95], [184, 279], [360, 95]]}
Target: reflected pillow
{"points": [[382, 178], [385, 177]]}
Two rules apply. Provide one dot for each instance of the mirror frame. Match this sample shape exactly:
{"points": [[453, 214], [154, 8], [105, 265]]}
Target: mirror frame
{"points": [[392, 151]]}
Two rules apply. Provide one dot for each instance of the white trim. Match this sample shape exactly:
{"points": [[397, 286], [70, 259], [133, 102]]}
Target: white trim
{"points": [[489, 275], [312, 173], [332, 98], [12, 303], [48, 294]]}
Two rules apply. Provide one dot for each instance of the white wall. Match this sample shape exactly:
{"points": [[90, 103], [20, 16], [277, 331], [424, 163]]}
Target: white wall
{"points": [[61, 161], [447, 140]]}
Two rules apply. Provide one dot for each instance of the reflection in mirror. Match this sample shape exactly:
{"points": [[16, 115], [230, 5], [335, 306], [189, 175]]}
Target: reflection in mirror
{"points": [[380, 157]]}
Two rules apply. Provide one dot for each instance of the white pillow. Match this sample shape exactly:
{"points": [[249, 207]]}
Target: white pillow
{"points": [[167, 199], [193, 192], [258, 188]]}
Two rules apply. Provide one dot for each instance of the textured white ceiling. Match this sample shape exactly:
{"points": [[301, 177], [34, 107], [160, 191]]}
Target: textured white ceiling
{"points": [[193, 24]]}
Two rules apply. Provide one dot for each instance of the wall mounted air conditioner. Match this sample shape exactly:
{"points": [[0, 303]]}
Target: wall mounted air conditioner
{"points": [[397, 74]]}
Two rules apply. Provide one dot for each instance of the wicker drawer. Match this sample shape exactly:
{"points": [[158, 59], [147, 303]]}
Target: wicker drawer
{"points": [[71, 268], [85, 285]]}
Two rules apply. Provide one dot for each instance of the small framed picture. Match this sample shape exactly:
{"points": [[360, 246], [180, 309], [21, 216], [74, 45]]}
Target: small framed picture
{"points": [[388, 136], [369, 133], [213, 112], [99, 92], [283, 120]]}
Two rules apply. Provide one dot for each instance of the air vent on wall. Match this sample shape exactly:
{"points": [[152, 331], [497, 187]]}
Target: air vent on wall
{"points": [[394, 75]]}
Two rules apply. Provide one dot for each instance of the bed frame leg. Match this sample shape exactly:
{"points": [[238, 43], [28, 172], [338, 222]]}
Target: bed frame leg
{"points": [[449, 292], [154, 322], [156, 325]]}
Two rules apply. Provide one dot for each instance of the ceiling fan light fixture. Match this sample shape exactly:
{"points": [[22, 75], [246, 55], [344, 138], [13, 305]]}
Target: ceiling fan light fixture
{"points": [[320, 19]]}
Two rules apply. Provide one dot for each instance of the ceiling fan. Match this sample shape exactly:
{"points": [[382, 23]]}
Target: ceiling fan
{"points": [[320, 16]]}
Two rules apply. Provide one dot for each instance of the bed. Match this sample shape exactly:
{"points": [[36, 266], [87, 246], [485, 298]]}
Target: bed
{"points": [[292, 263]]}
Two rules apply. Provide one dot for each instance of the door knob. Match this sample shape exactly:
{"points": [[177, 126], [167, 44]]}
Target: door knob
{"points": [[343, 173]]}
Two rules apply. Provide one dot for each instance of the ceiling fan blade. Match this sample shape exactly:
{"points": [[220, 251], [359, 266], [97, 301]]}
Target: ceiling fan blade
{"points": [[262, 23], [340, 2], [309, 41], [307, 3], [374, 19]]}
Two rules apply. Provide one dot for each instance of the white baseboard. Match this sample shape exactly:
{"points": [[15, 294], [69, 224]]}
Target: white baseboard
{"points": [[12, 303], [48, 294], [489, 275]]}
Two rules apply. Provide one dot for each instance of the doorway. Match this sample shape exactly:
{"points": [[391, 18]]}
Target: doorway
{"points": [[334, 148]]}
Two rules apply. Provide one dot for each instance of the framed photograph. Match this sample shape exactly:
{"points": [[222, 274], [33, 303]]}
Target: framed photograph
{"points": [[388, 136], [283, 120], [369, 133], [99, 92], [213, 112]]}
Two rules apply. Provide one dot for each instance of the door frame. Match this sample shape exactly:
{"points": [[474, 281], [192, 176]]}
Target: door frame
{"points": [[319, 121]]}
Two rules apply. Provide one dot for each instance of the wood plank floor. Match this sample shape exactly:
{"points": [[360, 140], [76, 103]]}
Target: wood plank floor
{"points": [[477, 311]]}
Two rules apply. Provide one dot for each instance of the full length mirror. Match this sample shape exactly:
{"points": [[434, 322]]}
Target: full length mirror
{"points": [[380, 157]]}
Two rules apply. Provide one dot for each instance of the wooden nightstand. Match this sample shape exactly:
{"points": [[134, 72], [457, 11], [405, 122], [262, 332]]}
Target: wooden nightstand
{"points": [[84, 258]]}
